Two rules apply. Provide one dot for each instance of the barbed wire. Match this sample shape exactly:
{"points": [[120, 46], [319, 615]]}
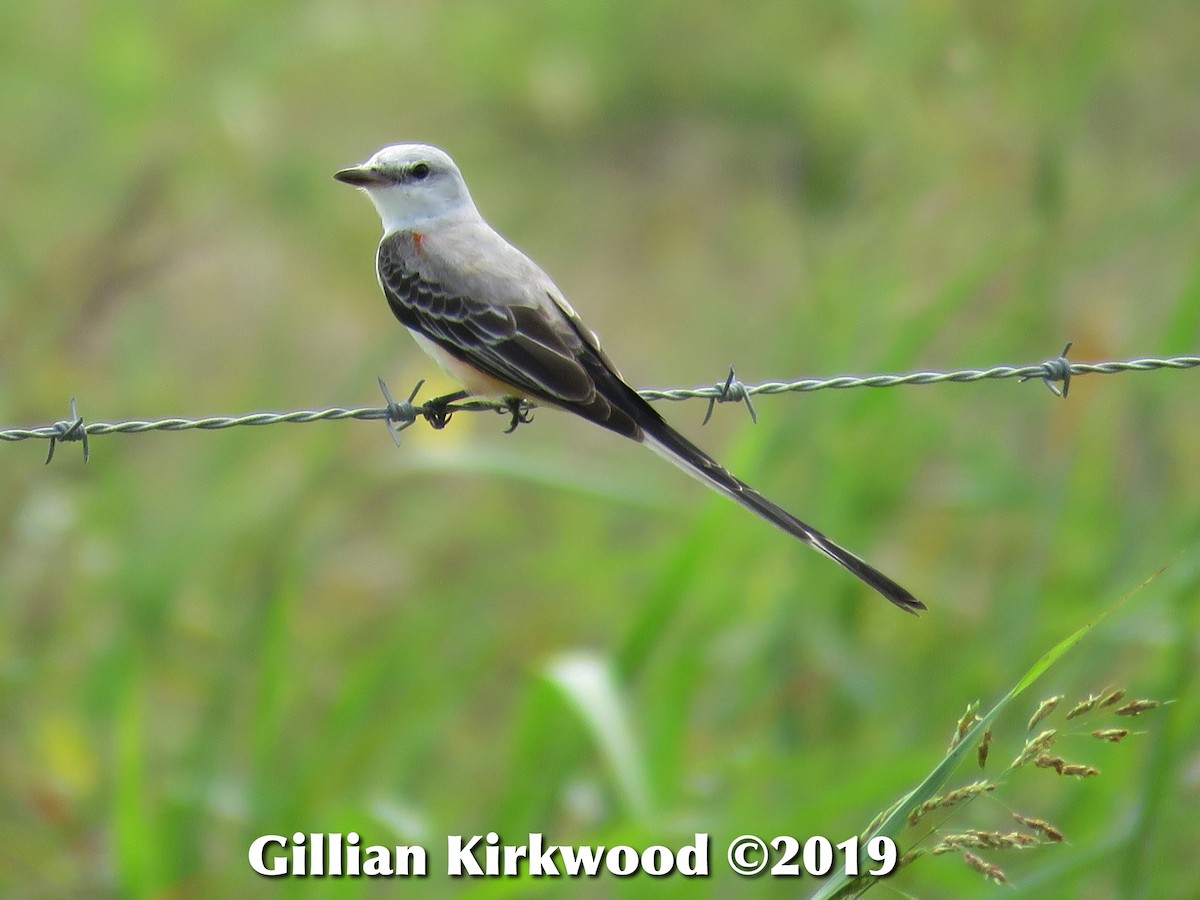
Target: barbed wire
{"points": [[437, 412]]}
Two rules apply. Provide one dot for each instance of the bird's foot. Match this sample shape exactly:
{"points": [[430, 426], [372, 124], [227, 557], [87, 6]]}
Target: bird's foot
{"points": [[514, 406], [437, 411]]}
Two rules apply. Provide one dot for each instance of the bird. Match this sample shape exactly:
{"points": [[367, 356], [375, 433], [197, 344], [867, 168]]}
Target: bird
{"points": [[497, 323]]}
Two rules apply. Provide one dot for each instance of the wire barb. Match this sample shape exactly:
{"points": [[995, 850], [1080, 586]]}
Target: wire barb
{"points": [[69, 430], [400, 415], [1057, 369], [732, 391]]}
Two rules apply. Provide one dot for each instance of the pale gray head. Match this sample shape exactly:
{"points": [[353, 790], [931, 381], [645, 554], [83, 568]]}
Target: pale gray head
{"points": [[412, 186]]}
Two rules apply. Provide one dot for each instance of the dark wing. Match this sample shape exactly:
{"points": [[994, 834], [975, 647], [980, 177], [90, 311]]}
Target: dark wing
{"points": [[533, 346]]}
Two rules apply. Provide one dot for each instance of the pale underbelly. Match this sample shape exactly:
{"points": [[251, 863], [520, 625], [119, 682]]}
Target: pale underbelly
{"points": [[478, 383]]}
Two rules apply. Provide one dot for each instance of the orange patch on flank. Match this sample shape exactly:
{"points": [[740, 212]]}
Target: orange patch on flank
{"points": [[418, 241]]}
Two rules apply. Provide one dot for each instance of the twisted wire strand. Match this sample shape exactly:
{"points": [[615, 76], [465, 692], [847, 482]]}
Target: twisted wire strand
{"points": [[400, 415]]}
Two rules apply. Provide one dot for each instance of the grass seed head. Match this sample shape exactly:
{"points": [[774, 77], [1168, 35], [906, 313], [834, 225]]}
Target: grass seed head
{"points": [[1056, 763], [1084, 706], [965, 724], [1040, 826], [984, 747], [1033, 747], [1137, 707], [1113, 698], [1047, 706], [986, 869], [953, 798]]}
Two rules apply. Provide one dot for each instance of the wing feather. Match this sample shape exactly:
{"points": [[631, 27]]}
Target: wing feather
{"points": [[501, 317]]}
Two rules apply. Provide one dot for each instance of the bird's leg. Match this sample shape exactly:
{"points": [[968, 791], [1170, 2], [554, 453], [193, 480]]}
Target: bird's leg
{"points": [[436, 411], [520, 415]]}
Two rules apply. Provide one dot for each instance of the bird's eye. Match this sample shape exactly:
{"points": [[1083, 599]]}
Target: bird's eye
{"points": [[420, 171]]}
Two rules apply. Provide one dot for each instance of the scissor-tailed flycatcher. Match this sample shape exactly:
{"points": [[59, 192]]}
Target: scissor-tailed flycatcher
{"points": [[500, 326]]}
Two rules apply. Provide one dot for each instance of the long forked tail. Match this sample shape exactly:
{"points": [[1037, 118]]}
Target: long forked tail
{"points": [[673, 446]]}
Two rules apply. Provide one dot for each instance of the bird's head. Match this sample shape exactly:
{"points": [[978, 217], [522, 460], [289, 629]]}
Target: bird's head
{"points": [[411, 186]]}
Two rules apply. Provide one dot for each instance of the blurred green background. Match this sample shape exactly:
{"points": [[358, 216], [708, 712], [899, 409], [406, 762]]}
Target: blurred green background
{"points": [[205, 637]]}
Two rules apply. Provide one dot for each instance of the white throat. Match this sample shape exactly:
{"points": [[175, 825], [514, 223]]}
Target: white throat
{"points": [[401, 208]]}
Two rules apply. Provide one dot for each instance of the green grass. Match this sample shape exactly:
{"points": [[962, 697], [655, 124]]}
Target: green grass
{"points": [[207, 637]]}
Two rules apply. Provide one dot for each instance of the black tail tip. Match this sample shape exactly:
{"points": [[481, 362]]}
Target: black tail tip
{"points": [[875, 579], [908, 603]]}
